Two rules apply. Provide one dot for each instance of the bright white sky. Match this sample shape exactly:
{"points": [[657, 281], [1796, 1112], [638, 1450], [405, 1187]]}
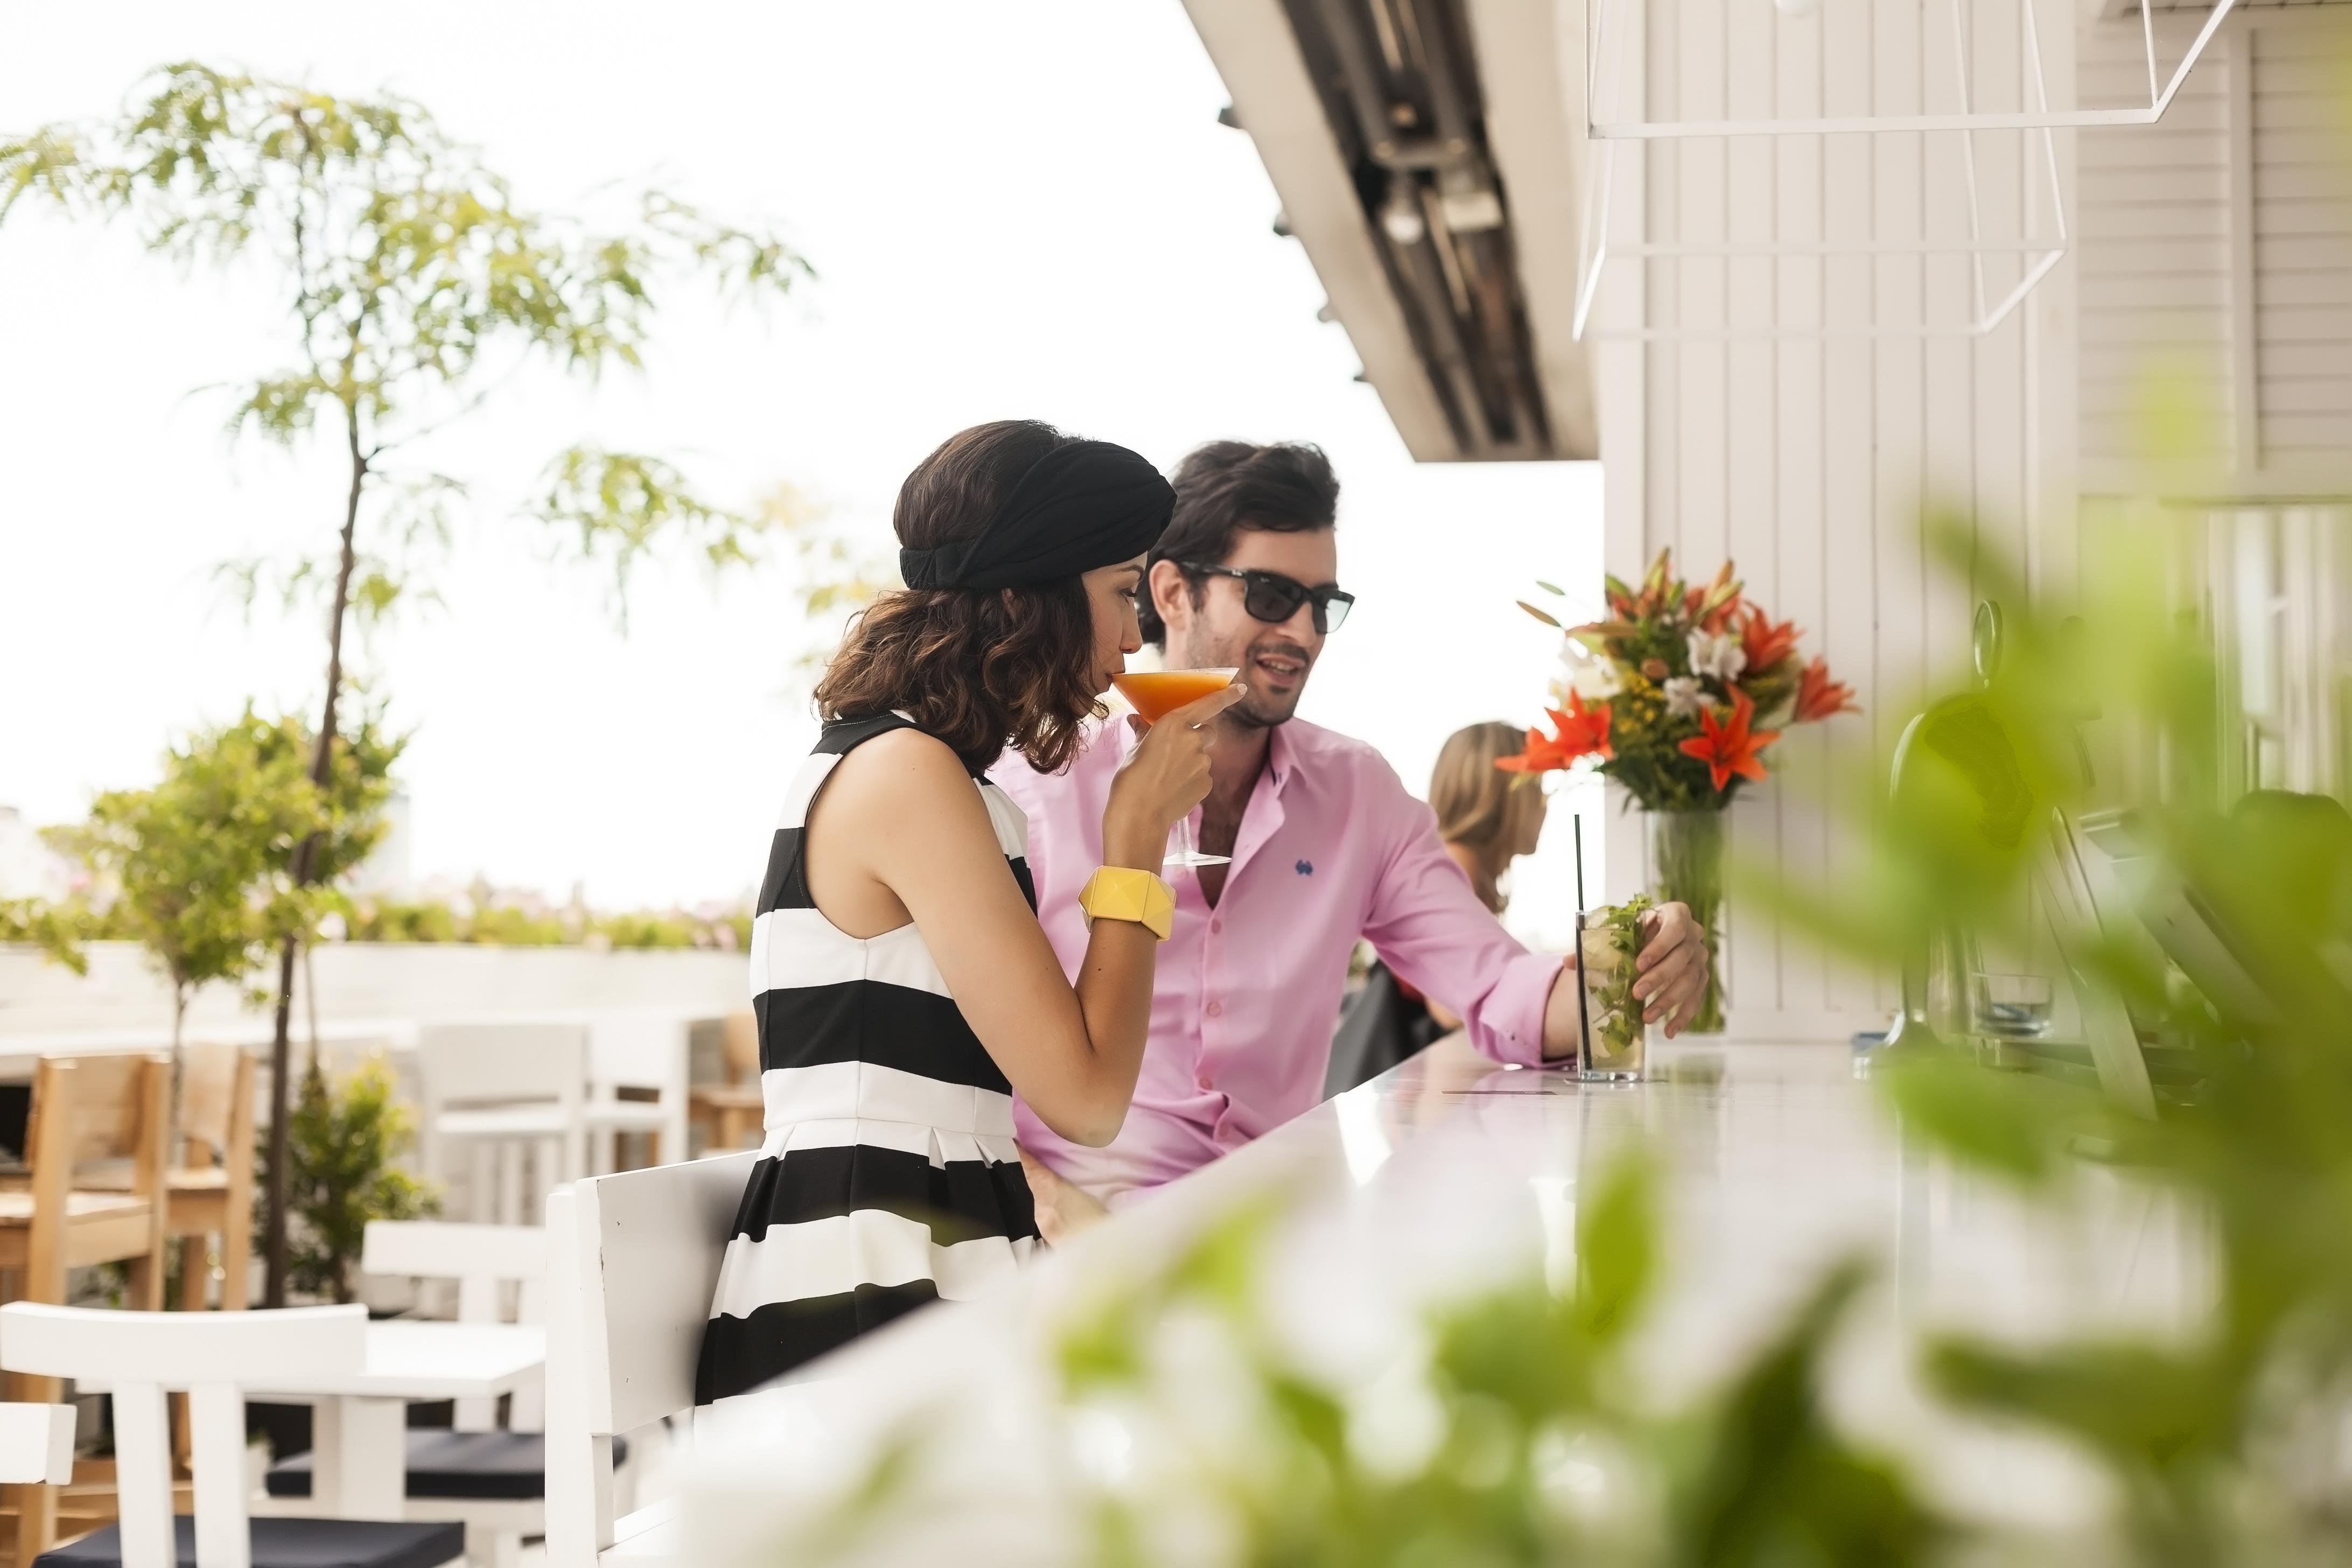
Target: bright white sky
{"points": [[1016, 209]]}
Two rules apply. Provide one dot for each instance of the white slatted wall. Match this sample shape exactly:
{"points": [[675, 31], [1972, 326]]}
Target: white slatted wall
{"points": [[2301, 161], [2218, 244], [2155, 251], [1804, 458]]}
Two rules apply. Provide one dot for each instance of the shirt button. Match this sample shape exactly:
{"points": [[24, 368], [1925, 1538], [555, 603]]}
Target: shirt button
{"points": [[1215, 1009], [1203, 1081], [1216, 926]]}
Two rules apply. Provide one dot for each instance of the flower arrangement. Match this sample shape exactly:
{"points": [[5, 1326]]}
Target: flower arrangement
{"points": [[1668, 695]]}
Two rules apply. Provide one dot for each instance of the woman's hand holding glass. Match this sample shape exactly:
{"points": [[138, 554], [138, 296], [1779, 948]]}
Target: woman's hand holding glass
{"points": [[1163, 779]]}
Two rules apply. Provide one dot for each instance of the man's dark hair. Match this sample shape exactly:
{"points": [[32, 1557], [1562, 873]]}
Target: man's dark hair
{"points": [[1228, 486]]}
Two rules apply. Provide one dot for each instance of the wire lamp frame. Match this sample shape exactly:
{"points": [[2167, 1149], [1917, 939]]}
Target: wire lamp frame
{"points": [[1597, 249]]}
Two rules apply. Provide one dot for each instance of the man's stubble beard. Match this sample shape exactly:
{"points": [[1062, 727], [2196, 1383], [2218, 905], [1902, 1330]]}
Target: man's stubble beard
{"points": [[1241, 715]]}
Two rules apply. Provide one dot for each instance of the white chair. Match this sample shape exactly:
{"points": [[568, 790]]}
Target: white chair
{"points": [[505, 1092], [483, 1260], [210, 1355], [36, 1445], [501, 1094], [633, 1052], [633, 1263], [492, 1481]]}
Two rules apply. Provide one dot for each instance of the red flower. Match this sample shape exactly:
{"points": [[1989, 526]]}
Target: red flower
{"points": [[1817, 695], [1580, 732], [1728, 749], [1764, 642]]}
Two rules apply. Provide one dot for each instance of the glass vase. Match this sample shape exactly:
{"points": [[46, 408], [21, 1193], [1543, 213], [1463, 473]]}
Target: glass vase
{"points": [[1686, 868]]}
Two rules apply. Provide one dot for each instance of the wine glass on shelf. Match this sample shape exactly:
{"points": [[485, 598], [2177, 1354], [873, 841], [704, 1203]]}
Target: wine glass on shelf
{"points": [[1156, 693]]}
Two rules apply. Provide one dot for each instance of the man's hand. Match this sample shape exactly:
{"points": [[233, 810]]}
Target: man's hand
{"points": [[1672, 967], [1671, 977], [1064, 1208]]}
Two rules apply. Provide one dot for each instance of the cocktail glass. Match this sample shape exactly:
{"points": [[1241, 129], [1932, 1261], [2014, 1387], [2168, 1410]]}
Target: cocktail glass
{"points": [[1155, 694], [1613, 1033]]}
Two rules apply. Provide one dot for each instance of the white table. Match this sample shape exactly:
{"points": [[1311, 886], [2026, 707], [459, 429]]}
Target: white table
{"points": [[359, 1442], [1449, 1169], [359, 1429]]}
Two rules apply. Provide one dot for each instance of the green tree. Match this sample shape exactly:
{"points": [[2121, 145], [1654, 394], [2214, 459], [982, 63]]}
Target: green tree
{"points": [[55, 928], [200, 868], [413, 283], [198, 865]]}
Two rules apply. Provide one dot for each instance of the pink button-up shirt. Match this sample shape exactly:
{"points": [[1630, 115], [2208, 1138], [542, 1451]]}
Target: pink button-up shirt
{"points": [[1331, 848]]}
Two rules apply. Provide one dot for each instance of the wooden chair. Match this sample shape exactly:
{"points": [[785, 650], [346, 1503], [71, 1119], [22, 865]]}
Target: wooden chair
{"points": [[211, 1189], [209, 1355], [733, 1113], [90, 1115], [633, 1261]]}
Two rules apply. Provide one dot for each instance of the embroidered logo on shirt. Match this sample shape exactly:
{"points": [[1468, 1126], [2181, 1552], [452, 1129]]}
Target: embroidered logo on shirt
{"points": [[1305, 868]]}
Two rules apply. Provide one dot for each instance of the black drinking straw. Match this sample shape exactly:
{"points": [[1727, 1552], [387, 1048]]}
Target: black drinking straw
{"points": [[1575, 821]]}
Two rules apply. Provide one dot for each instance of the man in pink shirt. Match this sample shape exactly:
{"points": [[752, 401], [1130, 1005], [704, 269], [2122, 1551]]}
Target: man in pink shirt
{"points": [[1327, 847]]}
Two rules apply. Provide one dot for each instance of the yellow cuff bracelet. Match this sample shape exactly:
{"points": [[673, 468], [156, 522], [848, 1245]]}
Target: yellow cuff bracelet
{"points": [[1124, 893]]}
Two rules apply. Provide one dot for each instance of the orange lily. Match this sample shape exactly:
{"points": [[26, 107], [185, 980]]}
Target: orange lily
{"points": [[1765, 643], [1728, 749], [1817, 695], [1580, 732]]}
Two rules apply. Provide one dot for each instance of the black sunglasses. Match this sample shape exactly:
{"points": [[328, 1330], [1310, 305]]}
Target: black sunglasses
{"points": [[1271, 596]]}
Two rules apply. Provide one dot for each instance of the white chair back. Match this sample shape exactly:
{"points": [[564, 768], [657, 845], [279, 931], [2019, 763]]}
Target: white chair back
{"points": [[37, 1443], [482, 1068], [633, 1265], [480, 1258], [208, 1355], [488, 1063]]}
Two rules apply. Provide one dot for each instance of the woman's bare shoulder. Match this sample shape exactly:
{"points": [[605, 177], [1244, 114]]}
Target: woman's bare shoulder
{"points": [[901, 769]]}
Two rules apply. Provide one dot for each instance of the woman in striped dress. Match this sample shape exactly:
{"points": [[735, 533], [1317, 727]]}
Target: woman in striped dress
{"points": [[903, 986]]}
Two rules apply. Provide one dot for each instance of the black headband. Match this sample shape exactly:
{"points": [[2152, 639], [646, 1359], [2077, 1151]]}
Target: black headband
{"points": [[1080, 506]]}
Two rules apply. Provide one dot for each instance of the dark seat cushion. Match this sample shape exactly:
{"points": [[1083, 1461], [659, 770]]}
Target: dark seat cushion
{"points": [[289, 1543], [445, 1464]]}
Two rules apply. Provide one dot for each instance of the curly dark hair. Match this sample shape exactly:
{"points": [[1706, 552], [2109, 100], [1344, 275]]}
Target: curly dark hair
{"points": [[980, 668], [1225, 486]]}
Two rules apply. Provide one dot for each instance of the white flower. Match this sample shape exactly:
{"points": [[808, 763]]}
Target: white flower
{"points": [[1720, 656], [1685, 699], [1590, 677]]}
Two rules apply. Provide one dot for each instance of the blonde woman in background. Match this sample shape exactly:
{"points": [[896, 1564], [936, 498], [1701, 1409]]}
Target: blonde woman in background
{"points": [[1486, 819]]}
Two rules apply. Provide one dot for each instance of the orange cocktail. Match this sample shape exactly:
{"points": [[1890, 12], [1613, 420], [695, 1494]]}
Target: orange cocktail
{"points": [[1157, 693]]}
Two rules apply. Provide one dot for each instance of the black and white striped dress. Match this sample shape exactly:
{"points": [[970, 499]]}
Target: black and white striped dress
{"points": [[888, 1177]]}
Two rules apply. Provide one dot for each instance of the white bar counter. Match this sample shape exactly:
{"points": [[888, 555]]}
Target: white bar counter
{"points": [[1449, 1171]]}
